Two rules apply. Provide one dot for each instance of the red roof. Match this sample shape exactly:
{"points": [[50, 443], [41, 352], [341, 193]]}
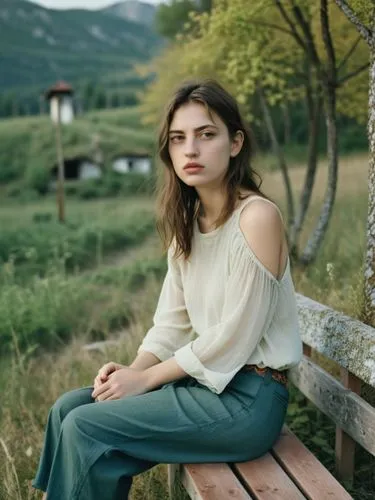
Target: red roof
{"points": [[59, 88]]}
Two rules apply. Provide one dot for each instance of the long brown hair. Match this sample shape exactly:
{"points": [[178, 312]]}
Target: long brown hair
{"points": [[177, 203]]}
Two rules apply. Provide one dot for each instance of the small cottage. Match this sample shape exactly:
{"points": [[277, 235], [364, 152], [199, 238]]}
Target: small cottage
{"points": [[79, 168], [132, 163]]}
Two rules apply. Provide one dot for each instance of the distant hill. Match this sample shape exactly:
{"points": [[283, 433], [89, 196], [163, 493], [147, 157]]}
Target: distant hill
{"points": [[39, 46], [133, 10]]}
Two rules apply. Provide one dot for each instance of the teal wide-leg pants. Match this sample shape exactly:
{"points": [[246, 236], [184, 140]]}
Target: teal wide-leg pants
{"points": [[92, 449]]}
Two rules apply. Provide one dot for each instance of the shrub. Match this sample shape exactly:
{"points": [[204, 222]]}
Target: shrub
{"points": [[38, 178]]}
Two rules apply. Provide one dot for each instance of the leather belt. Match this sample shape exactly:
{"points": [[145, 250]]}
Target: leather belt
{"points": [[279, 376]]}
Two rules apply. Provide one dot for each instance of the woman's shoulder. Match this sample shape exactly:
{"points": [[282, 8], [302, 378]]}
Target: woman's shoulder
{"points": [[261, 228]]}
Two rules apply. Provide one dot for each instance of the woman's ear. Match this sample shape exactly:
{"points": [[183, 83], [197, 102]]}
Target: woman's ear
{"points": [[237, 143]]}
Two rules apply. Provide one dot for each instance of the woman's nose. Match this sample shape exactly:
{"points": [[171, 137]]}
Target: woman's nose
{"points": [[191, 148]]}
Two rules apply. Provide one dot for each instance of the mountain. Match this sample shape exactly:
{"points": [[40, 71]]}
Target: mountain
{"points": [[39, 46], [133, 10]]}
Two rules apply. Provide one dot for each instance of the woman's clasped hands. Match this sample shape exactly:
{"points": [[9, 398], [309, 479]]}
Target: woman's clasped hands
{"points": [[115, 381]]}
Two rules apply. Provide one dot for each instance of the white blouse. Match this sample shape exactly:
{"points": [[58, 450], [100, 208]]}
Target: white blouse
{"points": [[222, 309]]}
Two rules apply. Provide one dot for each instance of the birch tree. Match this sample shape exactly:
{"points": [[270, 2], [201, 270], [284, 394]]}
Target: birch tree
{"points": [[362, 15]]}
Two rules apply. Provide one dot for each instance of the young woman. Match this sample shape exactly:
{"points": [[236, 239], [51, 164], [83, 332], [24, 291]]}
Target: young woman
{"points": [[209, 380]]}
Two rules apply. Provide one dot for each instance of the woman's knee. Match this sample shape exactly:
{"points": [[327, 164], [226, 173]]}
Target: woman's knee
{"points": [[71, 400]]}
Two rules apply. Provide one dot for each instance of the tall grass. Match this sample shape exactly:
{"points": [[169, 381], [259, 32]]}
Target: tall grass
{"points": [[30, 385]]}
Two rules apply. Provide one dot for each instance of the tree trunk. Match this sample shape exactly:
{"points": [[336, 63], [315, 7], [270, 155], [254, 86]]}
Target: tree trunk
{"points": [[279, 154], [311, 249], [370, 253], [314, 109]]}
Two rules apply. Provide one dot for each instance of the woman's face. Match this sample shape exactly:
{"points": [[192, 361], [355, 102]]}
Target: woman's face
{"points": [[200, 146]]}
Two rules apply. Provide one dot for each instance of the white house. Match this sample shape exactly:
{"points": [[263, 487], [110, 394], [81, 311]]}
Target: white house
{"points": [[89, 170], [132, 163], [78, 168], [61, 93]]}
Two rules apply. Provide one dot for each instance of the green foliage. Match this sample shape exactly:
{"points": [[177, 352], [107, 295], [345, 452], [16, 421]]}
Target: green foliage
{"points": [[37, 177], [171, 17], [365, 10], [249, 45], [114, 184], [47, 312], [46, 297], [45, 244]]}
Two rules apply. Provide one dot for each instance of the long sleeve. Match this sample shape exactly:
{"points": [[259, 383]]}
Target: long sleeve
{"points": [[172, 327], [250, 300]]}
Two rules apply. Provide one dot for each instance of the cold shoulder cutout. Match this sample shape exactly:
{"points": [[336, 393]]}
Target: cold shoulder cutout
{"points": [[222, 309], [283, 258]]}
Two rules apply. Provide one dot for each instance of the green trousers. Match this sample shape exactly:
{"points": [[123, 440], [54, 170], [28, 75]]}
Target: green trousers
{"points": [[93, 449]]}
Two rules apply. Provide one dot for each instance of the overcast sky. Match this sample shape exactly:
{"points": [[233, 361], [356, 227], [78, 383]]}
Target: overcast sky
{"points": [[85, 4]]}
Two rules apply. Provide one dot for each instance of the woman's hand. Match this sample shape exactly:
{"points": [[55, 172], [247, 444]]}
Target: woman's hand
{"points": [[104, 373], [121, 382]]}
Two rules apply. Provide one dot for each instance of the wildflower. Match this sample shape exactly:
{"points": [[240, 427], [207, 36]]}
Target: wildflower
{"points": [[330, 270]]}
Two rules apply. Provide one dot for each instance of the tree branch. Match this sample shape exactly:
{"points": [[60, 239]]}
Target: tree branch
{"points": [[350, 52], [310, 45], [365, 32], [273, 26], [290, 24], [352, 74], [327, 39]]}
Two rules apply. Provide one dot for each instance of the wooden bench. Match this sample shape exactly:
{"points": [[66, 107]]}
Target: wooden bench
{"points": [[290, 471]]}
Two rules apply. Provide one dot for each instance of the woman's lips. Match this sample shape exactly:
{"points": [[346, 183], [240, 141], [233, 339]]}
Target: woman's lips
{"points": [[193, 170]]}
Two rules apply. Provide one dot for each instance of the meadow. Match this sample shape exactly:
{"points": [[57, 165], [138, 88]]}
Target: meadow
{"points": [[112, 293]]}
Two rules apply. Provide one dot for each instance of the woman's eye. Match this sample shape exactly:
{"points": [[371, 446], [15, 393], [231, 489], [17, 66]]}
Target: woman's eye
{"points": [[176, 138], [207, 135]]}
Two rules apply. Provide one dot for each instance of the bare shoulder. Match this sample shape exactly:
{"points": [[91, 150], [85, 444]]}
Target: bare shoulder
{"points": [[263, 229]]}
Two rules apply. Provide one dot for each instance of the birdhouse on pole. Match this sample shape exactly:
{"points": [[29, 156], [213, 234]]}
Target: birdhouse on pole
{"points": [[61, 95]]}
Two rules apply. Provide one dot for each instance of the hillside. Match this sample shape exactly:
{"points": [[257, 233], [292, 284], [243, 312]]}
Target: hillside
{"points": [[133, 10], [28, 144], [39, 46]]}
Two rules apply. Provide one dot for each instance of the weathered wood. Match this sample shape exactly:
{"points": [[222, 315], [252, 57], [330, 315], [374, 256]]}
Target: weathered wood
{"points": [[312, 478], [212, 482], [266, 480], [173, 472], [345, 445], [307, 350], [348, 410], [345, 340]]}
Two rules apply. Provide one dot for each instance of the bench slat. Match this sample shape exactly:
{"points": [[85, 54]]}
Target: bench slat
{"points": [[266, 480], [348, 410], [307, 472], [212, 482]]}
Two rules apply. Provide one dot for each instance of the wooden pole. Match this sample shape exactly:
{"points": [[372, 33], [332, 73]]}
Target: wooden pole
{"points": [[60, 166], [345, 445]]}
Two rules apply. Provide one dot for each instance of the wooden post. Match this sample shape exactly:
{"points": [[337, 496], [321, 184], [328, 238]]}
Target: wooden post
{"points": [[306, 350], [173, 471], [345, 445], [60, 166]]}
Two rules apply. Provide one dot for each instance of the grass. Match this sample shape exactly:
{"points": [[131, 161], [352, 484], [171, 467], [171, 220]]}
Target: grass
{"points": [[32, 249], [23, 411], [45, 296]]}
